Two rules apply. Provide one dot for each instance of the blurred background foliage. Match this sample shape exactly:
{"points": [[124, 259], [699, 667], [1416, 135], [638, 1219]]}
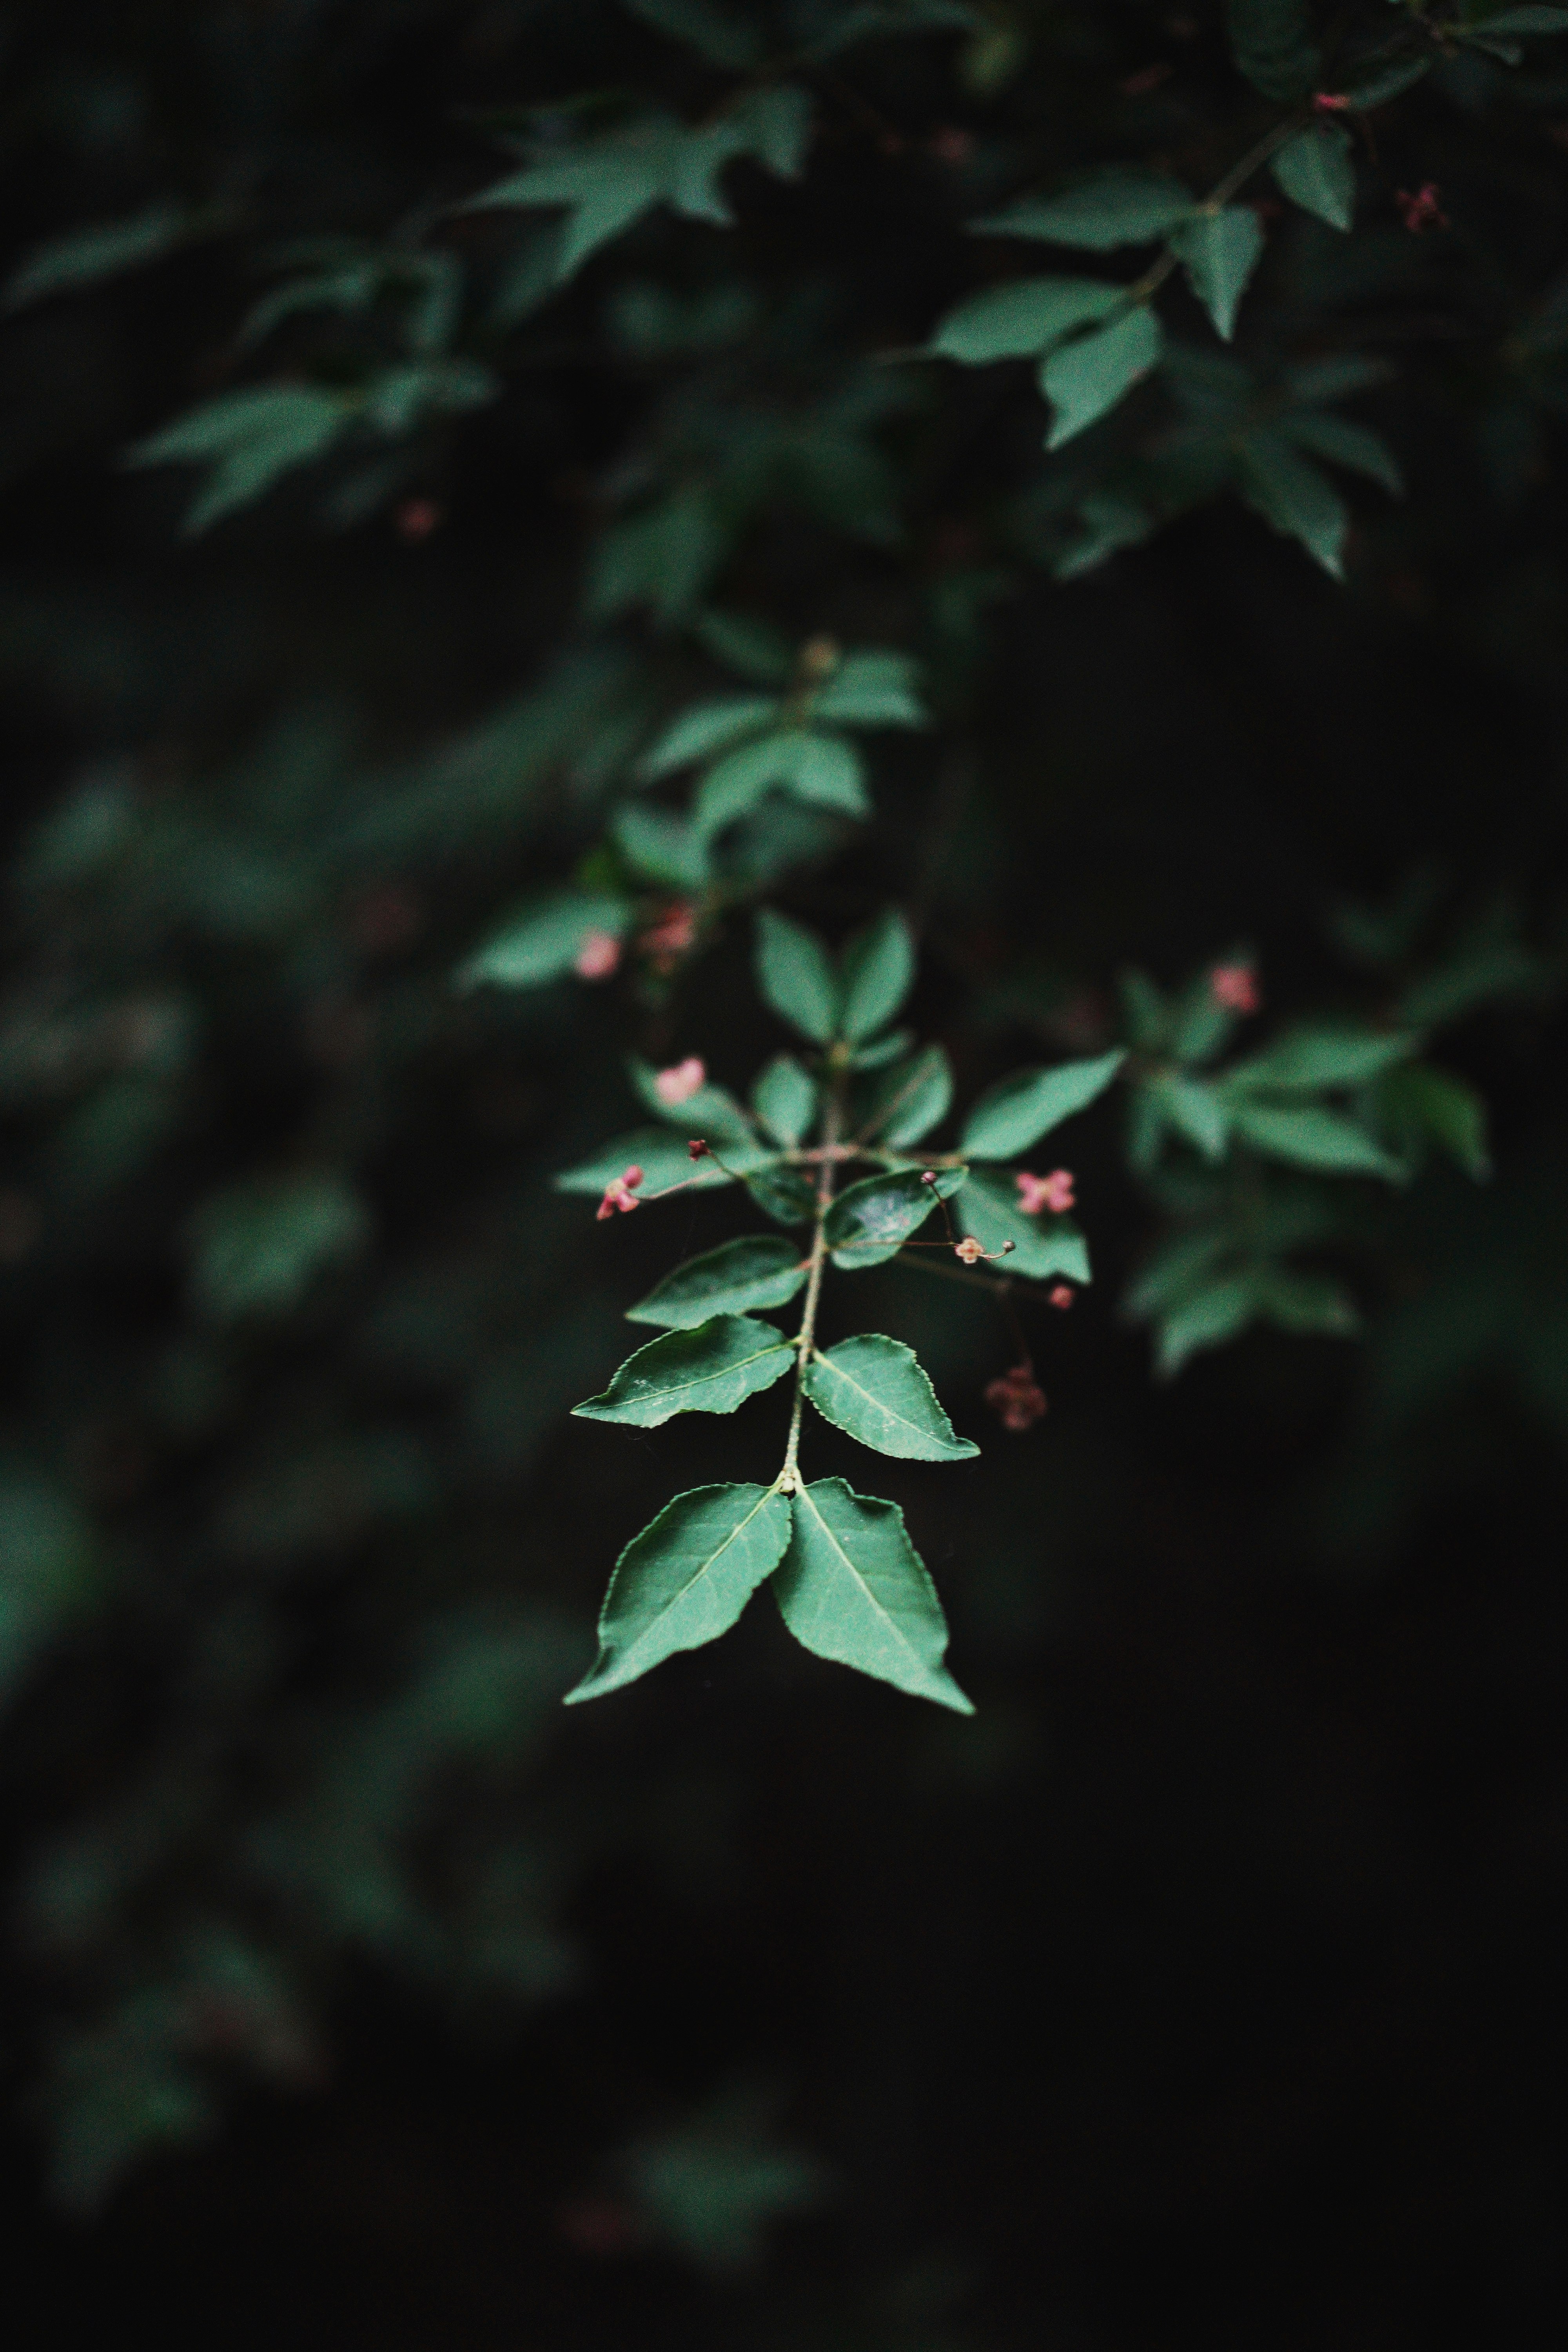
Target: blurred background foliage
{"points": [[1205, 1985]]}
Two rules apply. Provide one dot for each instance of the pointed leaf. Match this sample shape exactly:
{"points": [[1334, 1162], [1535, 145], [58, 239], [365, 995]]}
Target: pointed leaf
{"points": [[824, 770], [988, 1210], [1194, 1109], [1220, 251], [1273, 43], [873, 1389], [875, 973], [1317, 172], [710, 727], [1311, 1136], [853, 1588], [1287, 491], [542, 941], [1119, 206], [912, 1100], [1020, 1109], [784, 1099], [711, 1370], [1345, 443], [759, 1270], [873, 1220], [796, 977], [661, 1154], [1305, 1059], [870, 690], [1018, 321], [782, 1193], [710, 1112], [1084, 379], [685, 1579], [1208, 1320]]}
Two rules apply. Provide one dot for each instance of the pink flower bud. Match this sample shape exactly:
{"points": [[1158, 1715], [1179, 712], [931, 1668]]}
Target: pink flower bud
{"points": [[697, 1148], [1060, 1295], [620, 1195], [1018, 1397], [598, 956], [969, 1249], [680, 1081], [1235, 985], [1417, 211]]}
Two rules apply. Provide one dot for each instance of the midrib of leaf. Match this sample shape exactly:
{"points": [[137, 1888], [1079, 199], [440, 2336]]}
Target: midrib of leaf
{"points": [[701, 1380], [705, 1568]]}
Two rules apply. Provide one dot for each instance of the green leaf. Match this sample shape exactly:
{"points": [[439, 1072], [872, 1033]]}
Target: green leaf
{"points": [[988, 1209], [1195, 1110], [1214, 1315], [1289, 492], [1084, 379], [250, 438], [661, 846], [1119, 206], [1392, 82], [658, 1153], [784, 1099], [86, 257], [1219, 252], [1307, 1059], [713, 32], [759, 1270], [1021, 321], [685, 1579], [822, 770], [711, 1370], [796, 977], [782, 1193], [1311, 1136], [1316, 171], [1345, 443], [1273, 43], [708, 728], [1424, 1105], [853, 1588], [1020, 1109], [875, 973], [710, 1112], [883, 1050], [871, 689], [257, 1247], [873, 1389], [1307, 1303], [542, 941], [911, 1100], [873, 1220]]}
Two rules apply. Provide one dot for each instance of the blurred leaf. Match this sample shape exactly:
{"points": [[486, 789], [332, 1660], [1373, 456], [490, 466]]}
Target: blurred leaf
{"points": [[710, 727], [258, 1247], [543, 941], [1273, 43], [1085, 380], [1291, 494], [1019, 1110], [875, 973], [796, 977], [1311, 1136], [1219, 251], [1119, 206], [48, 1567], [870, 690], [911, 1100], [86, 256], [784, 1099], [1316, 171], [1023, 319]]}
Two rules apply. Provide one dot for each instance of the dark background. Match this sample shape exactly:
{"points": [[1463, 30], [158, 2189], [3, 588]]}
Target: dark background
{"points": [[1206, 1987]]}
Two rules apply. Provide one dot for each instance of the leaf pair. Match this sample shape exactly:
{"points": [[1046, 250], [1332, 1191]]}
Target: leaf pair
{"points": [[835, 1000], [849, 1583]]}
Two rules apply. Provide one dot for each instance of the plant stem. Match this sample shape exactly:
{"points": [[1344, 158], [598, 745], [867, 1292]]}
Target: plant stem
{"points": [[788, 1477]]}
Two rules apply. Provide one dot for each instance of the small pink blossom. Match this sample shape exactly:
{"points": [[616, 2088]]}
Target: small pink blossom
{"points": [[969, 1249], [1235, 985], [597, 957], [621, 1194], [1060, 1295], [1417, 211], [1053, 1192], [671, 933], [1328, 102], [1018, 1397], [680, 1081]]}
